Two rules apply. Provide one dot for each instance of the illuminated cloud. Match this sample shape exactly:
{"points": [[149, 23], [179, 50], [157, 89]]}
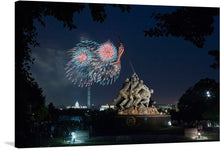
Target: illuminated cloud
{"points": [[48, 70]]}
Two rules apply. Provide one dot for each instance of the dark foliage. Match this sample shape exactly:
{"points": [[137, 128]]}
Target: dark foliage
{"points": [[52, 113], [193, 24], [215, 54], [195, 103], [103, 119], [29, 108], [98, 11]]}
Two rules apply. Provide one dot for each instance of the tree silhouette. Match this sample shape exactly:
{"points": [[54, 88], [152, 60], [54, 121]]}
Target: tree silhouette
{"points": [[52, 112], [30, 103], [191, 23], [195, 104], [29, 108], [215, 54]]}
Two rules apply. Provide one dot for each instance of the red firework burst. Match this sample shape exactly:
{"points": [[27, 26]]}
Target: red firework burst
{"points": [[82, 57], [106, 51]]}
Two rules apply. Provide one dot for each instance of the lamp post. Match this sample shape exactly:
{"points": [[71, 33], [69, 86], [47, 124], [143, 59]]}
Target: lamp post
{"points": [[208, 94]]}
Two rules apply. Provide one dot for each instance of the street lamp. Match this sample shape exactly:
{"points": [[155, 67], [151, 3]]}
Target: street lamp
{"points": [[73, 136], [199, 134], [169, 123], [208, 94]]}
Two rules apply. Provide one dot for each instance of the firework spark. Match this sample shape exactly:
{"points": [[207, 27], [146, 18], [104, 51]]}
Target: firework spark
{"points": [[94, 63]]}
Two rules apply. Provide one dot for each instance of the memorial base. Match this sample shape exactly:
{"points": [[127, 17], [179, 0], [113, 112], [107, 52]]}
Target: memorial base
{"points": [[133, 124], [142, 122]]}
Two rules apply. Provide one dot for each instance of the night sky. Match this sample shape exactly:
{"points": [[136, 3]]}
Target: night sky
{"points": [[169, 65]]}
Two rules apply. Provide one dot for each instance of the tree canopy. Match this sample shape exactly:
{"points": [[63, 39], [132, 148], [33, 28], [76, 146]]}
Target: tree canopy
{"points": [[200, 101], [215, 54], [191, 23]]}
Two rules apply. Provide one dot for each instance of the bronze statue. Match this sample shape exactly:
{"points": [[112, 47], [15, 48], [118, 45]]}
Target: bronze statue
{"points": [[134, 93]]}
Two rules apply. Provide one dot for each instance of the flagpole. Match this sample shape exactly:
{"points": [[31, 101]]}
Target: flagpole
{"points": [[129, 60]]}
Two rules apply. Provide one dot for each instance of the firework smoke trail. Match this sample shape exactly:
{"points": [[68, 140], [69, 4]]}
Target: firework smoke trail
{"points": [[92, 62]]}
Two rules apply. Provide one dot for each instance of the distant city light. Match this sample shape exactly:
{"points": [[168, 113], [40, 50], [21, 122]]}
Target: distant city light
{"points": [[76, 106], [104, 107]]}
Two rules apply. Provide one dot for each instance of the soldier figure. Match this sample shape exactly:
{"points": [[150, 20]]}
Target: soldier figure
{"points": [[146, 97], [123, 93], [140, 87], [134, 83]]}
